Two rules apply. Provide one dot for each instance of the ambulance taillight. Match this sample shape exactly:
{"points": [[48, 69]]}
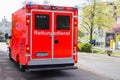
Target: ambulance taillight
{"points": [[75, 57], [27, 49], [75, 22], [75, 47], [28, 21]]}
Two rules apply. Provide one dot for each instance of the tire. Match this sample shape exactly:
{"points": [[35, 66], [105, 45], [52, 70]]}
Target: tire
{"points": [[22, 68], [10, 54]]}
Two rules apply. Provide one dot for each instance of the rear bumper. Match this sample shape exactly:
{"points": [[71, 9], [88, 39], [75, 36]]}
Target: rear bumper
{"points": [[51, 67], [51, 61], [51, 64]]}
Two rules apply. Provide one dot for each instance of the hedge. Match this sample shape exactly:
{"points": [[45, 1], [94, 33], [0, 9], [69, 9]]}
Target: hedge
{"points": [[84, 47]]}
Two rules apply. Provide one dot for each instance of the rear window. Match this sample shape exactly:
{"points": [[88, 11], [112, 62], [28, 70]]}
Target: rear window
{"points": [[63, 22], [42, 21]]}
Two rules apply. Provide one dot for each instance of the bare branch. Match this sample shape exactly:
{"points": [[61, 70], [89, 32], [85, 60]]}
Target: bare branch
{"points": [[86, 28]]}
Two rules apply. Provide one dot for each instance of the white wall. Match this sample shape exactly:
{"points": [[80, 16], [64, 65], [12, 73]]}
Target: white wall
{"points": [[3, 46]]}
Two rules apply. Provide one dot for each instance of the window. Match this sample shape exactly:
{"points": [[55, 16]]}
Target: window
{"points": [[42, 21], [63, 22]]}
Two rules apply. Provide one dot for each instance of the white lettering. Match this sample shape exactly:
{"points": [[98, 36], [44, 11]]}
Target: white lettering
{"points": [[50, 33]]}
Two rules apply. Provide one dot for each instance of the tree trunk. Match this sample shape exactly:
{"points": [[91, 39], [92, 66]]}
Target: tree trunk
{"points": [[91, 34]]}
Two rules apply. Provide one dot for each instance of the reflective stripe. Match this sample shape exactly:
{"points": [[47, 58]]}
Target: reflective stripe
{"points": [[52, 34], [75, 16], [72, 33], [27, 55], [28, 14], [31, 36], [27, 35], [74, 53]]}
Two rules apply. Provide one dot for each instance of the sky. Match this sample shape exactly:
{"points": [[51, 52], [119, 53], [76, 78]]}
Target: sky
{"points": [[7, 7]]}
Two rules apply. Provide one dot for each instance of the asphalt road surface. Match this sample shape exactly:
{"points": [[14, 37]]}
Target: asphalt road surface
{"points": [[10, 71], [103, 64]]}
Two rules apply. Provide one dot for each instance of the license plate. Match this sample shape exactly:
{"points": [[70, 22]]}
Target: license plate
{"points": [[41, 54]]}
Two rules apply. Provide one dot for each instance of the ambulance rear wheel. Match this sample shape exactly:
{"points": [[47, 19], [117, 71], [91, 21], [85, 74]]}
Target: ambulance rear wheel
{"points": [[22, 68], [10, 54]]}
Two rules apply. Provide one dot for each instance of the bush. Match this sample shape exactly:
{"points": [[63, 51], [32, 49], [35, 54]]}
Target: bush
{"points": [[84, 47], [118, 38]]}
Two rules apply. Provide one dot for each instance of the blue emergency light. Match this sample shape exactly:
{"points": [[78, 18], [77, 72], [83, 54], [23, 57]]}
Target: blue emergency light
{"points": [[75, 7], [29, 3]]}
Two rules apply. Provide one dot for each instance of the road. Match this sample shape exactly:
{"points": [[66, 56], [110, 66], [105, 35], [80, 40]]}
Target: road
{"points": [[10, 71], [103, 64]]}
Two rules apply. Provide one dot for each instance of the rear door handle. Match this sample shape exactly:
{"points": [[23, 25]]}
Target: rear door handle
{"points": [[56, 41]]}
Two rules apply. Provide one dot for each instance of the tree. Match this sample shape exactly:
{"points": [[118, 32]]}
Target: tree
{"points": [[116, 28], [116, 7], [88, 17], [118, 38], [1, 34], [96, 15], [116, 15], [80, 32]]}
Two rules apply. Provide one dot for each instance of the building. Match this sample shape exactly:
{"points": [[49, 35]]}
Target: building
{"points": [[5, 27]]}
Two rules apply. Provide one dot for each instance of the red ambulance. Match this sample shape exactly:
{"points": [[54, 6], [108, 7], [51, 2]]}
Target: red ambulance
{"points": [[44, 37]]}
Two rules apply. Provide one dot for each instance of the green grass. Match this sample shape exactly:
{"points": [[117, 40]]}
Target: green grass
{"points": [[99, 51], [116, 54]]}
